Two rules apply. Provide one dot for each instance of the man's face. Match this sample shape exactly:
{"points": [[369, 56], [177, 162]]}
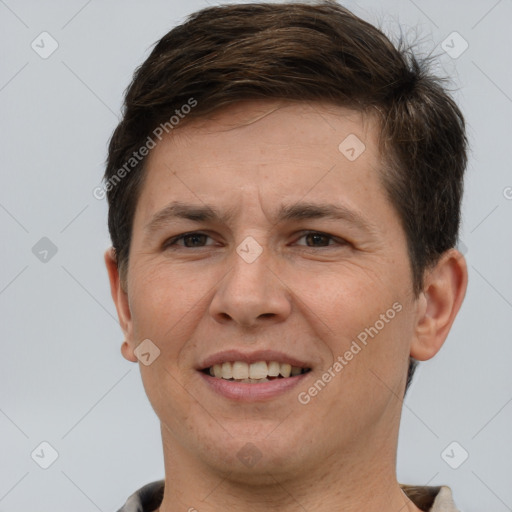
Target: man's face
{"points": [[272, 280]]}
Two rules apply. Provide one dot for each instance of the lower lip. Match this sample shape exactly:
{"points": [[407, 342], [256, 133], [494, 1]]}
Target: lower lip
{"points": [[246, 392]]}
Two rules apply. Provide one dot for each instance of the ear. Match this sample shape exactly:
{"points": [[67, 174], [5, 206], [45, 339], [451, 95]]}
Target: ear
{"points": [[120, 298], [443, 292]]}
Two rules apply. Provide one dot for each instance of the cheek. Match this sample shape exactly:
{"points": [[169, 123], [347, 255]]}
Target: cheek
{"points": [[368, 323], [160, 296], [167, 306], [348, 300], [385, 345], [164, 310], [374, 363]]}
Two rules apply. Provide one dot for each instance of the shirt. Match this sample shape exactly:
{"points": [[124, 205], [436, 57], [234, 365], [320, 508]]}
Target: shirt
{"points": [[429, 499]]}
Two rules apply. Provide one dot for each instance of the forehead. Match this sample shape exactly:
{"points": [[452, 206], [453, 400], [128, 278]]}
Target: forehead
{"points": [[272, 148], [281, 126]]}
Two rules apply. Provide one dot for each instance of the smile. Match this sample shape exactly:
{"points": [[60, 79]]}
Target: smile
{"points": [[253, 373], [254, 376]]}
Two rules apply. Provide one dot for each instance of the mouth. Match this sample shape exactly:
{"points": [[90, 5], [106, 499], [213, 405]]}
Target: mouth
{"points": [[253, 377], [254, 373]]}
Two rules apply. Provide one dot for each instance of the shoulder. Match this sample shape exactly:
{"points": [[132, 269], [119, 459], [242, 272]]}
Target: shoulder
{"points": [[431, 499], [145, 499]]}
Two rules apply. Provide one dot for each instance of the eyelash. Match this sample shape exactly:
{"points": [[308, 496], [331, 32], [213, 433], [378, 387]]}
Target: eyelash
{"points": [[172, 242]]}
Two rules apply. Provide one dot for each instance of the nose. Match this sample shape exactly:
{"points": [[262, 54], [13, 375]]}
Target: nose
{"points": [[251, 293]]}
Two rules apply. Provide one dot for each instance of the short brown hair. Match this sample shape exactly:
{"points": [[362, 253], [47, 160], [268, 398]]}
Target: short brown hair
{"points": [[306, 52]]}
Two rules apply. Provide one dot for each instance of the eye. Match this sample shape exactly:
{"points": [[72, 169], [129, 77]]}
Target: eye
{"points": [[196, 239], [319, 239], [190, 240]]}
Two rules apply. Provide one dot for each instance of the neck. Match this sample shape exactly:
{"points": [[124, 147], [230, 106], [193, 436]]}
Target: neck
{"points": [[335, 484]]}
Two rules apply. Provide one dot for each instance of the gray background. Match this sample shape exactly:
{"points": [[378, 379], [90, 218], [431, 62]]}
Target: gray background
{"points": [[62, 377]]}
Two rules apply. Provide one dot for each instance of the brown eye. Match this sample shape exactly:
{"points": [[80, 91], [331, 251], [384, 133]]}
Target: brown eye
{"points": [[318, 239], [194, 240], [190, 240]]}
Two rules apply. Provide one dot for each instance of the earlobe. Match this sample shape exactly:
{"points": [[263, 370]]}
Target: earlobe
{"points": [[127, 352], [120, 298], [444, 289]]}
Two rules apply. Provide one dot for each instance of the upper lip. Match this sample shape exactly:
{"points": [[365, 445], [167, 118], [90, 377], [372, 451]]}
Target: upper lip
{"points": [[251, 357]]}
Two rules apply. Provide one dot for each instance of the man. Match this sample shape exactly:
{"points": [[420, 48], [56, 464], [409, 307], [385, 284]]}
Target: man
{"points": [[284, 199]]}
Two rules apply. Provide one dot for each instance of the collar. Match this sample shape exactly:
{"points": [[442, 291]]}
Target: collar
{"points": [[429, 499]]}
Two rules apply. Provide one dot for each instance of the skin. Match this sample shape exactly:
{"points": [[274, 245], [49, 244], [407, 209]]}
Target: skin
{"points": [[306, 296]]}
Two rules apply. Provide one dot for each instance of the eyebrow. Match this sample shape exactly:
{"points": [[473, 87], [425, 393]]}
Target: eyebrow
{"points": [[180, 210], [296, 211]]}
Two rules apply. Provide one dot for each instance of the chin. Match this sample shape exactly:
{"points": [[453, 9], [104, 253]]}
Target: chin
{"points": [[250, 459]]}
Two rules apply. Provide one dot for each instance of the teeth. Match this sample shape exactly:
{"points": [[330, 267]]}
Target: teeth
{"points": [[227, 371], [285, 369], [240, 370], [258, 370], [273, 369], [255, 372]]}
